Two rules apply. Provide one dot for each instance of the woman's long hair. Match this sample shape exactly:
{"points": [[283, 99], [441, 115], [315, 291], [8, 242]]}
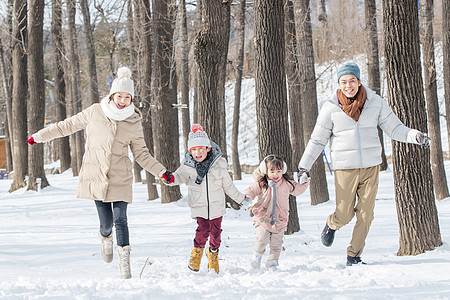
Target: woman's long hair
{"points": [[273, 162]]}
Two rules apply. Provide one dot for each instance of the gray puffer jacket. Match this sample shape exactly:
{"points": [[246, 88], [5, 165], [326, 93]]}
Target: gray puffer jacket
{"points": [[354, 144]]}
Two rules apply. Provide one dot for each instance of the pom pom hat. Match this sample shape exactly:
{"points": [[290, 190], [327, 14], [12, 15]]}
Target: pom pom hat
{"points": [[349, 68], [197, 137], [123, 82]]}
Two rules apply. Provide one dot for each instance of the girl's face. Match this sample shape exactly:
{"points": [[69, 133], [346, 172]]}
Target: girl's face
{"points": [[122, 99], [274, 174]]}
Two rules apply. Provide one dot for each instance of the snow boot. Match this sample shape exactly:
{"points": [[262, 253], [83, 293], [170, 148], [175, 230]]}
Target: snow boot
{"points": [[124, 261], [107, 247], [196, 259], [256, 260], [271, 265], [213, 260], [354, 260], [327, 236]]}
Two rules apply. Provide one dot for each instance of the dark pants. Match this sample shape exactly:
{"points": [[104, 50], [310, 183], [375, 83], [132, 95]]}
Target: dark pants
{"points": [[114, 213], [208, 228]]}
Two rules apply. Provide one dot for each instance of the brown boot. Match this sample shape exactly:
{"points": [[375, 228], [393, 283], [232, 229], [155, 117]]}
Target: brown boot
{"points": [[196, 258], [213, 259]]}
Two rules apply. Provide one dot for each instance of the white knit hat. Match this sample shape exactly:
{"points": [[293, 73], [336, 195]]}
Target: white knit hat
{"points": [[123, 82], [197, 137]]}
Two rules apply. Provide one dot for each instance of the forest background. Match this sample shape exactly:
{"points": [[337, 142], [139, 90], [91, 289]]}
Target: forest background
{"points": [[58, 57]]}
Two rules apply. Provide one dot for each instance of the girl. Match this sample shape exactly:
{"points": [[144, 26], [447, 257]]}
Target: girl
{"points": [[271, 210], [105, 175]]}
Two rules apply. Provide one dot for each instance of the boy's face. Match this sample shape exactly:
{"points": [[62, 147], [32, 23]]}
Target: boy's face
{"points": [[200, 153]]}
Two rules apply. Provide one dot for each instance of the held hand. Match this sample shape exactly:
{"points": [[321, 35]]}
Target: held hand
{"points": [[31, 140], [303, 176], [167, 177], [423, 139]]}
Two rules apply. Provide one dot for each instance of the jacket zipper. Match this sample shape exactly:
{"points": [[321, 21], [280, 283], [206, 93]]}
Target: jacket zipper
{"points": [[207, 193]]}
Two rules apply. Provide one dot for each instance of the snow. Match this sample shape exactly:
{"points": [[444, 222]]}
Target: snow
{"points": [[50, 250], [50, 247]]}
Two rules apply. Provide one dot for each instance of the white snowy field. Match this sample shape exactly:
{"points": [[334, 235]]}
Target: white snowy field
{"points": [[50, 250]]}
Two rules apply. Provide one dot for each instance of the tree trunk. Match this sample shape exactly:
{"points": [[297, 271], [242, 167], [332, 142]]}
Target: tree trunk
{"points": [[373, 62], [308, 95], [182, 54], [134, 29], [416, 208], [6, 63], [36, 103], [62, 144], [211, 47], [146, 91], [78, 145], [19, 97], [295, 105], [164, 80], [197, 24], [294, 87], [270, 88], [446, 61], [429, 68], [240, 37], [321, 11], [92, 66]]}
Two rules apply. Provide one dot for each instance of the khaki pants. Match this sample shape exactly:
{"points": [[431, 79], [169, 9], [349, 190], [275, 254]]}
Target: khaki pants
{"points": [[275, 241], [348, 184]]}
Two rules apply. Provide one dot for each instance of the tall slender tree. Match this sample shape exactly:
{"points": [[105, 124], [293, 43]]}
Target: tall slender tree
{"points": [[132, 27], [373, 62], [92, 65], [308, 95], [7, 77], [295, 105], [270, 86], [62, 144], [429, 71], [164, 87], [239, 66], [77, 139], [147, 91], [210, 52], [294, 86], [36, 103], [414, 197], [19, 97], [182, 53], [446, 60]]}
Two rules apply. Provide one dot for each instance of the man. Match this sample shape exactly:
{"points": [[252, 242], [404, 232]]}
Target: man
{"points": [[349, 122]]}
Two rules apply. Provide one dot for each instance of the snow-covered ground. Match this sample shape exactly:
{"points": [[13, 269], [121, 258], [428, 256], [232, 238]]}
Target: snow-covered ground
{"points": [[49, 246], [50, 250]]}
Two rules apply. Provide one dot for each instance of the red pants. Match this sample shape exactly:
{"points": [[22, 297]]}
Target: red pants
{"points": [[208, 228]]}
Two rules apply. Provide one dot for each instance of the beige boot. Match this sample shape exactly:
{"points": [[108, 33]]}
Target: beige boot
{"points": [[124, 261], [196, 259], [107, 247]]}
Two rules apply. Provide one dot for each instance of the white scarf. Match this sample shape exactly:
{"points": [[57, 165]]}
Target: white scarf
{"points": [[113, 112]]}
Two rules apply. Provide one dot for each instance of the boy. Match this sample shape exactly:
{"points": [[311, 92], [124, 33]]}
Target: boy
{"points": [[204, 170]]}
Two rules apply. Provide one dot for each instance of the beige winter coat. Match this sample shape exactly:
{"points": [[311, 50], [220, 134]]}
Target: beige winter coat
{"points": [[106, 171]]}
